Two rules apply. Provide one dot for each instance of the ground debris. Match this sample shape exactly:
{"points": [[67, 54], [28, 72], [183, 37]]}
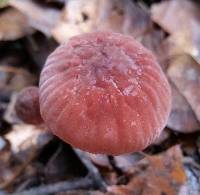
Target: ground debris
{"points": [[14, 25], [33, 161], [164, 170]]}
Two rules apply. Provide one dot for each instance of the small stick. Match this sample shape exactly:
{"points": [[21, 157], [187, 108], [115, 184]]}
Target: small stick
{"points": [[93, 171], [10, 181], [83, 183]]}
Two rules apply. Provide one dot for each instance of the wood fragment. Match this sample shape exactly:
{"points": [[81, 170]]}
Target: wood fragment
{"points": [[93, 171], [83, 183]]}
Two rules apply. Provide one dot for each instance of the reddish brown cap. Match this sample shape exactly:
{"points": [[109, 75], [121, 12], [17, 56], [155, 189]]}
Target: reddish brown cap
{"points": [[104, 92], [27, 106]]}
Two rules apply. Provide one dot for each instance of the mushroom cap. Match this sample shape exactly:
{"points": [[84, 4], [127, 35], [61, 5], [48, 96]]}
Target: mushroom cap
{"points": [[103, 92], [27, 105]]}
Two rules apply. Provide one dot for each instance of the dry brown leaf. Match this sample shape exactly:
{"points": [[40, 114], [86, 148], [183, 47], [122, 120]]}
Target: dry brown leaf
{"points": [[15, 78], [25, 139], [184, 72], [123, 162], [25, 143], [155, 41], [187, 41], [155, 175], [185, 28], [13, 25], [175, 15], [40, 18], [181, 118], [115, 15], [126, 161], [125, 17]]}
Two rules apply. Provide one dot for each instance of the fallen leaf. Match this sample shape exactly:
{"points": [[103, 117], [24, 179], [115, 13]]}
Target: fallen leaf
{"points": [[184, 72], [40, 18], [27, 138], [156, 175], [154, 40], [172, 17], [124, 16], [126, 161], [186, 41], [184, 30], [14, 25], [114, 15], [181, 118]]}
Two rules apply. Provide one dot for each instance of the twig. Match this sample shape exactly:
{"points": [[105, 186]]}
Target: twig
{"points": [[93, 171], [9, 182], [190, 161], [83, 183]]}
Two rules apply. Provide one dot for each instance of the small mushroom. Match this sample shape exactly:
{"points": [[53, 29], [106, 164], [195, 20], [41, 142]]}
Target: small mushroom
{"points": [[27, 106], [105, 93]]}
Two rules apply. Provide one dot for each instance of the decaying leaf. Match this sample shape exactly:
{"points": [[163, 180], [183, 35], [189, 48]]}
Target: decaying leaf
{"points": [[25, 139], [186, 41], [155, 41], [15, 78], [160, 174], [124, 16], [40, 18], [184, 72], [185, 28], [115, 15], [13, 25], [175, 15], [181, 118]]}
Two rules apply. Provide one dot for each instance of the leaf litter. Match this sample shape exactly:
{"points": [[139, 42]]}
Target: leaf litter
{"points": [[32, 161]]}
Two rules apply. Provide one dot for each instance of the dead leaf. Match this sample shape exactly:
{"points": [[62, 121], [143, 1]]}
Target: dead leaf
{"points": [[185, 28], [154, 40], [124, 16], [172, 17], [114, 15], [187, 41], [181, 118], [184, 72], [159, 174], [26, 138], [14, 25], [40, 18]]}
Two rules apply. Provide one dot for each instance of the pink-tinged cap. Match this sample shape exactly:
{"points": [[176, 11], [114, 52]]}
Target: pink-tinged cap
{"points": [[104, 92], [27, 105]]}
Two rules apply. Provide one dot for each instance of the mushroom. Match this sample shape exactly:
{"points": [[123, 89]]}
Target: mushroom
{"points": [[103, 92], [27, 105]]}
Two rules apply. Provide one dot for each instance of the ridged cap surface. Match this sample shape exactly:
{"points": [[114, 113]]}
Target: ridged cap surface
{"points": [[104, 92]]}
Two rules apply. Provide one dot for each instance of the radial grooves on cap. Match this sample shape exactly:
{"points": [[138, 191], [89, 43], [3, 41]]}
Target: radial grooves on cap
{"points": [[161, 92], [71, 69], [153, 99]]}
